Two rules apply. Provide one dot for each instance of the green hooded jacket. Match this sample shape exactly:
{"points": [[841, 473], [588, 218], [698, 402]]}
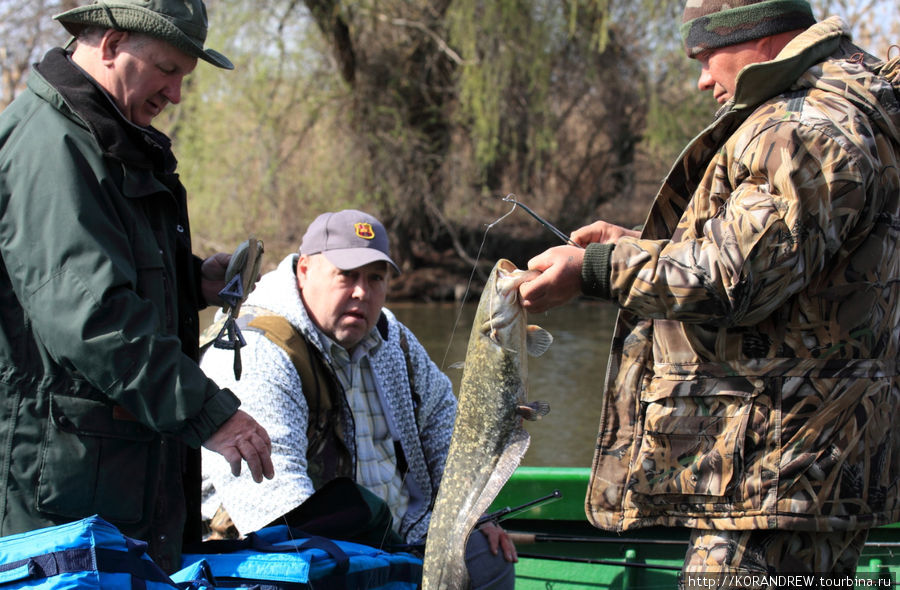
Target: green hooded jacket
{"points": [[101, 393]]}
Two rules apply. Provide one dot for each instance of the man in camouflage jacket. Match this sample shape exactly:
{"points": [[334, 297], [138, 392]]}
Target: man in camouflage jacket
{"points": [[752, 388]]}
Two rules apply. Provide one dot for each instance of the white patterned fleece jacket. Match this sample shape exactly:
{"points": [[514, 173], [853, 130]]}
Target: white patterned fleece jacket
{"points": [[270, 390]]}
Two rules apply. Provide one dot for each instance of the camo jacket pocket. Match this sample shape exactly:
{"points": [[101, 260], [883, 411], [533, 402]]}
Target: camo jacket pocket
{"points": [[93, 462], [692, 448]]}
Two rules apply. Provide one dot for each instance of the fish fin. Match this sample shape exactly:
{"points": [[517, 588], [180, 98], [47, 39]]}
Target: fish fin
{"points": [[533, 411], [537, 340]]}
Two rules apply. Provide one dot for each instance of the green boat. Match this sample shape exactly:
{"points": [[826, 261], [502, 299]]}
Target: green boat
{"points": [[543, 510]]}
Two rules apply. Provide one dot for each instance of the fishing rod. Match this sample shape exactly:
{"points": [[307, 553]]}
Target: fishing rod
{"points": [[594, 561], [511, 198], [495, 516], [533, 538], [508, 512]]}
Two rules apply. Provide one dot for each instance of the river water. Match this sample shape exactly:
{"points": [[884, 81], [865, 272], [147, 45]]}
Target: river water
{"points": [[569, 376]]}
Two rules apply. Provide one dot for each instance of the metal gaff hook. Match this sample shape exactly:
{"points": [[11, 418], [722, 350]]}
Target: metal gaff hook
{"points": [[504, 216], [511, 198]]}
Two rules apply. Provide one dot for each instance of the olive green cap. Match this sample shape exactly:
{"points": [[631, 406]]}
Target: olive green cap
{"points": [[181, 23]]}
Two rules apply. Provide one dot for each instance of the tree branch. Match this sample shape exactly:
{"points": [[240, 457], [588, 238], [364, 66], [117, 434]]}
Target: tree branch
{"points": [[442, 45], [327, 17]]}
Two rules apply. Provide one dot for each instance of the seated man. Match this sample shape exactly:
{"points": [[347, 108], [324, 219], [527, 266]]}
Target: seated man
{"points": [[344, 390]]}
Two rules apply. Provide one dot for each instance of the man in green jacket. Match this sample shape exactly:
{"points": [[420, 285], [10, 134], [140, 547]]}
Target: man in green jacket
{"points": [[104, 407], [753, 389]]}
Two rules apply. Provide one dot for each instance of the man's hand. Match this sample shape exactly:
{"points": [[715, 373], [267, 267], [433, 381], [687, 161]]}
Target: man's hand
{"points": [[241, 437], [559, 281], [498, 539], [212, 277], [601, 232]]}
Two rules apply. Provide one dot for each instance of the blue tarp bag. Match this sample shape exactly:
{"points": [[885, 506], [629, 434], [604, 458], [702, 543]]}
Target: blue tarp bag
{"points": [[285, 558], [92, 553], [88, 553]]}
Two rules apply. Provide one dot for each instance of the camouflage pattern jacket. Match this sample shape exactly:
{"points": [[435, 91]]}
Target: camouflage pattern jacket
{"points": [[752, 380]]}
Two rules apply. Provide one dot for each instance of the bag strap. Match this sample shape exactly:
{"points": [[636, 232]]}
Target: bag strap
{"points": [[410, 375], [327, 453], [69, 561], [281, 332]]}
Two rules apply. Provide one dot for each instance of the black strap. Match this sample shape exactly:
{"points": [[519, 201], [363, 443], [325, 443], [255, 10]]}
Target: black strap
{"points": [[68, 561], [341, 559]]}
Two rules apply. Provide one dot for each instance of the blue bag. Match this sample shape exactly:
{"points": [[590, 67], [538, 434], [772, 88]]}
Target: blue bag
{"points": [[284, 558], [88, 553]]}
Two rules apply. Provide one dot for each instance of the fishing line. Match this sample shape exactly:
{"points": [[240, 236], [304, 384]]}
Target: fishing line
{"points": [[472, 276]]}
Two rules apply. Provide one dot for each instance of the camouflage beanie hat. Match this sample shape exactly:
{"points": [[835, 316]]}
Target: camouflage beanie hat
{"points": [[710, 24]]}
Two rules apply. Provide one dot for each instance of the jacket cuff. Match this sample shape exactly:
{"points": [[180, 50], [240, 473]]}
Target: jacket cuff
{"points": [[216, 411], [595, 270]]}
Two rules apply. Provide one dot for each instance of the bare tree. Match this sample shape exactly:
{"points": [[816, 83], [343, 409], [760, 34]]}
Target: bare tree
{"points": [[26, 32], [420, 109]]}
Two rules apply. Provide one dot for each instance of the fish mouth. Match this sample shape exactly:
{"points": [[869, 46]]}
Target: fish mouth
{"points": [[506, 266], [507, 281], [505, 309], [509, 278]]}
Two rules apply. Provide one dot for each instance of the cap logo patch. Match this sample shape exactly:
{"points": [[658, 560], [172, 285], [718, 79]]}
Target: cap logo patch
{"points": [[364, 230]]}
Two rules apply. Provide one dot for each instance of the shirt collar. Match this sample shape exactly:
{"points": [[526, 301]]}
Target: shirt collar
{"points": [[368, 344]]}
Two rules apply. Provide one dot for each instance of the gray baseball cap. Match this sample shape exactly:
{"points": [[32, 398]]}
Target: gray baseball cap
{"points": [[348, 239]]}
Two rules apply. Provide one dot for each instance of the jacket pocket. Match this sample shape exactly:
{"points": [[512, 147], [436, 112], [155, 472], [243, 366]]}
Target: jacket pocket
{"points": [[92, 462], [693, 444], [152, 282]]}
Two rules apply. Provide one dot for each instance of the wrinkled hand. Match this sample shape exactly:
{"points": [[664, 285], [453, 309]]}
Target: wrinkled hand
{"points": [[212, 277], [601, 232], [559, 281], [241, 437], [498, 539]]}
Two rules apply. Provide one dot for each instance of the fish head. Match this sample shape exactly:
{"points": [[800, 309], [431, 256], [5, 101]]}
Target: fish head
{"points": [[504, 317], [500, 304]]}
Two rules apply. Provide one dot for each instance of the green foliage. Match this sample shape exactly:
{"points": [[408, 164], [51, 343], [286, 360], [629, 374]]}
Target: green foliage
{"points": [[506, 73], [598, 13], [259, 147], [674, 118], [425, 111]]}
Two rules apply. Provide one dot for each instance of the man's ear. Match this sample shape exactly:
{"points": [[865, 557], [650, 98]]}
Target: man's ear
{"points": [[772, 45], [302, 270], [111, 44]]}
